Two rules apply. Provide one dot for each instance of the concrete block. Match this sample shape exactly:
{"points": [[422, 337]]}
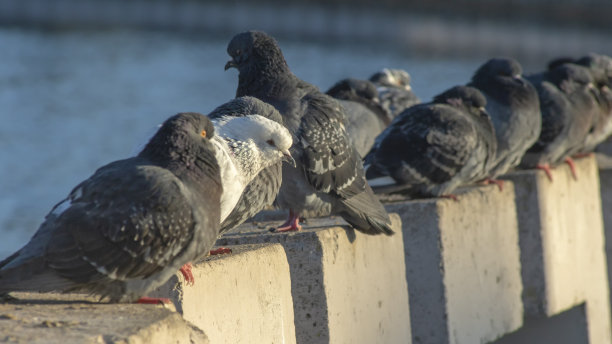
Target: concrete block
{"points": [[562, 244], [242, 297], [605, 178], [52, 318], [347, 287], [462, 265]]}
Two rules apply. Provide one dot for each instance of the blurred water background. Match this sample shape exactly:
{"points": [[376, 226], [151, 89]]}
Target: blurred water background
{"points": [[83, 83]]}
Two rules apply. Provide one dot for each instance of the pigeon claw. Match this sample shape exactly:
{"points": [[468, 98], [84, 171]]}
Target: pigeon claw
{"points": [[546, 169], [572, 167], [220, 250], [498, 182], [292, 224], [187, 274], [154, 301], [451, 196]]}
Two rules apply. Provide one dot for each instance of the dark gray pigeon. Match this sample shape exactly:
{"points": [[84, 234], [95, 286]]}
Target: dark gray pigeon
{"points": [[431, 149], [130, 226], [394, 90], [514, 107], [568, 107], [329, 175], [600, 67], [364, 115], [264, 187]]}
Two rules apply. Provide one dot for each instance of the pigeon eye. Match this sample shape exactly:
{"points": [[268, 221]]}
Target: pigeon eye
{"points": [[270, 142], [203, 133], [238, 51]]}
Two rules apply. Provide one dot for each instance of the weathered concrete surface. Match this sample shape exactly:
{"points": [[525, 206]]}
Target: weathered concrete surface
{"points": [[562, 245], [347, 287], [242, 297], [462, 266], [51, 318]]}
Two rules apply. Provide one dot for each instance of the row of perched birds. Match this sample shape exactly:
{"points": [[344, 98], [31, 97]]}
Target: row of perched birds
{"points": [[130, 226], [499, 121]]}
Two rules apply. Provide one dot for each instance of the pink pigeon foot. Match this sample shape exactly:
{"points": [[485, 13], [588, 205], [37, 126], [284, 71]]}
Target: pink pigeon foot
{"points": [[187, 274], [498, 182], [153, 300], [451, 196], [572, 167], [220, 250], [546, 169], [292, 223]]}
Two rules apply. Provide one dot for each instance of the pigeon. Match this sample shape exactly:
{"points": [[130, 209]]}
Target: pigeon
{"points": [[431, 149], [264, 187], [568, 107], [600, 67], [514, 108], [130, 226], [329, 176], [365, 117], [394, 90]]}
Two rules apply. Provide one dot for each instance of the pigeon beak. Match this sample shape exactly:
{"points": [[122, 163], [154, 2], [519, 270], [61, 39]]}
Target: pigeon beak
{"points": [[288, 158], [231, 64]]}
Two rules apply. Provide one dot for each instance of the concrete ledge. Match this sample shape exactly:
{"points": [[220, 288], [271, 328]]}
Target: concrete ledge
{"points": [[347, 287], [562, 245], [243, 297], [462, 266], [51, 318]]}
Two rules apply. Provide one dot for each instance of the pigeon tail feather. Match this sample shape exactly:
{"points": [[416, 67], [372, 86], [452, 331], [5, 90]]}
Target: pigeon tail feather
{"points": [[366, 214]]}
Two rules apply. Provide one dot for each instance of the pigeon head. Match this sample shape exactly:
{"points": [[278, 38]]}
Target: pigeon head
{"points": [[466, 97], [270, 139], [570, 77], [392, 77], [254, 49], [600, 67], [505, 67], [245, 106], [180, 135], [352, 89]]}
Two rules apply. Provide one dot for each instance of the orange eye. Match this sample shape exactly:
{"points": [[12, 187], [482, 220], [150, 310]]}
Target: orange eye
{"points": [[203, 133]]}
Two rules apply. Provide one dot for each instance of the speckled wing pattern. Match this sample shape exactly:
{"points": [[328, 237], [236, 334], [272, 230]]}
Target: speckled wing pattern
{"points": [[330, 162], [103, 233]]}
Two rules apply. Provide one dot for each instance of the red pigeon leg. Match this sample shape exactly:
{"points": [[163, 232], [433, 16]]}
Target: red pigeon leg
{"points": [[292, 223], [546, 169]]}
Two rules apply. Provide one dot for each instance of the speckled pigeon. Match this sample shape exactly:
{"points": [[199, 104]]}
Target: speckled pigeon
{"points": [[264, 187], [431, 149], [329, 175], [130, 226]]}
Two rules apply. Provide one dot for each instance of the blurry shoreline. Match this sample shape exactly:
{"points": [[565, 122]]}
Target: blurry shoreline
{"points": [[463, 29]]}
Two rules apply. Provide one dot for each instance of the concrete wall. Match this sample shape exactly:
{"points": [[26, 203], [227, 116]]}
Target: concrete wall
{"points": [[526, 264]]}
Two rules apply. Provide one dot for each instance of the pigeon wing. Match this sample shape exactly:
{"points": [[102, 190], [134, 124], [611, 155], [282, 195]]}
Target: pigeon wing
{"points": [[126, 221], [330, 161]]}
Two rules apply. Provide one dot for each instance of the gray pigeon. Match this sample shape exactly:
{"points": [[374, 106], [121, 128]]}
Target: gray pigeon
{"points": [[431, 149], [264, 187], [568, 107], [600, 67], [130, 226], [365, 117], [394, 90], [514, 107], [329, 175]]}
